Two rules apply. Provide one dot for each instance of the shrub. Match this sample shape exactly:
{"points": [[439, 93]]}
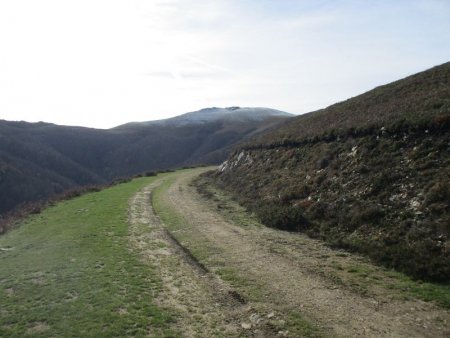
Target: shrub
{"points": [[439, 192], [121, 180], [370, 214], [282, 217], [35, 209], [297, 192]]}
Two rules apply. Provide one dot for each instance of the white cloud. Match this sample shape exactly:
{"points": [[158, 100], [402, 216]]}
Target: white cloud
{"points": [[101, 63]]}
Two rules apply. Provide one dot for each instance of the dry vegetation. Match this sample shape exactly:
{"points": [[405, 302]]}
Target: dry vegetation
{"points": [[370, 174], [416, 99]]}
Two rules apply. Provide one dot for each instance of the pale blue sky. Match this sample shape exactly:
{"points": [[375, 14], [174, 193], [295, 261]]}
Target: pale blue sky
{"points": [[101, 63]]}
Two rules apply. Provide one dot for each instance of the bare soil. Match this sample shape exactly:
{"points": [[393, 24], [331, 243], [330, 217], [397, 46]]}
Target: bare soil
{"points": [[204, 306], [253, 280]]}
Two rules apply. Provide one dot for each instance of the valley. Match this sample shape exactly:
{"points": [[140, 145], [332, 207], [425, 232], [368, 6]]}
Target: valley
{"points": [[41, 160]]}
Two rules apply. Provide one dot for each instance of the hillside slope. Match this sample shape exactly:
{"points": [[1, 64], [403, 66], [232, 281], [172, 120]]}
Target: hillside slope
{"points": [[370, 174], [414, 99], [41, 159]]}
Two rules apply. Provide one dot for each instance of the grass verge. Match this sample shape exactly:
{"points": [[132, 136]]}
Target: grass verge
{"points": [[361, 277], [197, 245], [69, 272]]}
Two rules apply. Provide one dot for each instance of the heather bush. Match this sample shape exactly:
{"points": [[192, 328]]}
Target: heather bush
{"points": [[282, 217], [385, 195]]}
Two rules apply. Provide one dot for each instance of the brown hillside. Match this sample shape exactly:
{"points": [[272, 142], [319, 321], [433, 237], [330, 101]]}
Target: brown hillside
{"points": [[370, 174], [414, 99]]}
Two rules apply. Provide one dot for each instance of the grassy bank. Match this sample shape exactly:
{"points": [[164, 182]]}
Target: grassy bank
{"points": [[69, 272]]}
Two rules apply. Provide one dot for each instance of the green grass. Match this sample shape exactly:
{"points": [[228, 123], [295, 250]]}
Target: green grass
{"points": [[405, 287], [439, 293], [169, 218], [69, 271], [299, 327]]}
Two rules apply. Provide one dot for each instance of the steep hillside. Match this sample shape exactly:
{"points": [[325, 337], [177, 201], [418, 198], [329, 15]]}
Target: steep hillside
{"points": [[370, 174], [415, 99], [38, 160], [41, 159]]}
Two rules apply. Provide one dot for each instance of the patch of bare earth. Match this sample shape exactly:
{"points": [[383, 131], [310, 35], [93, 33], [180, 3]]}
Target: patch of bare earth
{"points": [[288, 272], [204, 306], [38, 327]]}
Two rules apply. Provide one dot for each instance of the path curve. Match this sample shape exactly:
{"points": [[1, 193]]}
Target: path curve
{"points": [[290, 286]]}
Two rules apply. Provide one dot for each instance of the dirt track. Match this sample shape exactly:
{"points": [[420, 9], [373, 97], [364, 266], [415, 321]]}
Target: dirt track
{"points": [[277, 273], [203, 304]]}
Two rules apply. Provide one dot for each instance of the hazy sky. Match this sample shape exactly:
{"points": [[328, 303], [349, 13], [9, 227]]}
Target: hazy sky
{"points": [[101, 63]]}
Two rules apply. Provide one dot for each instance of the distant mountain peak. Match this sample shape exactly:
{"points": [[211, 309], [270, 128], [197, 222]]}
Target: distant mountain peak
{"points": [[215, 109], [216, 114], [234, 113]]}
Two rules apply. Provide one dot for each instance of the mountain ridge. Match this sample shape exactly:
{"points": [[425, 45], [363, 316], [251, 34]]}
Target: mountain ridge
{"points": [[40, 159], [214, 114]]}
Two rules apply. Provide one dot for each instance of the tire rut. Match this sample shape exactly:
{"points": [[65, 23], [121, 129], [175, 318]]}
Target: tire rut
{"points": [[287, 286], [203, 304]]}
